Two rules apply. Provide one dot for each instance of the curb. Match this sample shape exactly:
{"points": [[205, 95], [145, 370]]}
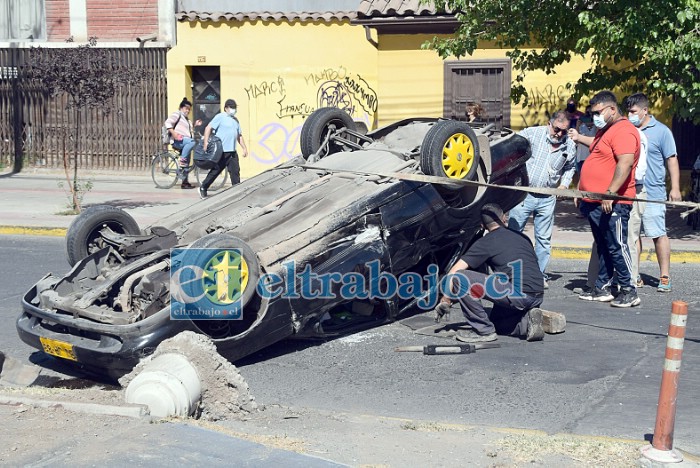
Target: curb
{"points": [[132, 411], [584, 253], [33, 231]]}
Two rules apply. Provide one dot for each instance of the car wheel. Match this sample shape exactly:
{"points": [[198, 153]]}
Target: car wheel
{"points": [[450, 149], [83, 236], [317, 127], [237, 255]]}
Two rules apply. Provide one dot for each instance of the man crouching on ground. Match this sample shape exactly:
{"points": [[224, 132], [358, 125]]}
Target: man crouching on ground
{"points": [[507, 253]]}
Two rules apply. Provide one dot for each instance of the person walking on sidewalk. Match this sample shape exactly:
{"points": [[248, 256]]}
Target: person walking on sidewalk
{"points": [[509, 253], [182, 137], [552, 164], [661, 153], [228, 129], [610, 169]]}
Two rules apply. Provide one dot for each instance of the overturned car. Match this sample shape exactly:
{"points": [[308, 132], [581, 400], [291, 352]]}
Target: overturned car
{"points": [[333, 210]]}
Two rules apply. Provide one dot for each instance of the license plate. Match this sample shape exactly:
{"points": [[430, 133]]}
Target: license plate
{"points": [[58, 348]]}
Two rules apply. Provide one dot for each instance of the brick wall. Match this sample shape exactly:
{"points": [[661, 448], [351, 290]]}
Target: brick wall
{"points": [[108, 20], [57, 20], [121, 20]]}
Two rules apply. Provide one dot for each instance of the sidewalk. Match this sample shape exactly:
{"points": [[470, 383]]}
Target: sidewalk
{"points": [[33, 201]]}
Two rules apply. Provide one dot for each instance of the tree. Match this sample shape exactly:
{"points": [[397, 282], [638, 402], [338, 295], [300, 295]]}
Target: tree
{"points": [[634, 45], [91, 78]]}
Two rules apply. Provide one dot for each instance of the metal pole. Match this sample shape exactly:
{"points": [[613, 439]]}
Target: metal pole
{"points": [[661, 448], [16, 111]]}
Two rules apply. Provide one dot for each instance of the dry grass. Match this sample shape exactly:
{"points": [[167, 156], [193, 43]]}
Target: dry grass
{"points": [[583, 451]]}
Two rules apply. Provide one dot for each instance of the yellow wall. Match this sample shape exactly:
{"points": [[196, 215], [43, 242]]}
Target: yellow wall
{"points": [[411, 82], [278, 73]]}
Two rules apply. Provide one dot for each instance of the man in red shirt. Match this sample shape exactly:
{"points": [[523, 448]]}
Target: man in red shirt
{"points": [[610, 169]]}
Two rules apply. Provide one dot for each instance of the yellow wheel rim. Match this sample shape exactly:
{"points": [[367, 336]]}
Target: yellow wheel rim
{"points": [[225, 277], [457, 156]]}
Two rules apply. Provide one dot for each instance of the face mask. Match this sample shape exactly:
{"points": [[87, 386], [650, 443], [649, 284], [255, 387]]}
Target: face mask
{"points": [[635, 120], [599, 121], [571, 107], [232, 112]]}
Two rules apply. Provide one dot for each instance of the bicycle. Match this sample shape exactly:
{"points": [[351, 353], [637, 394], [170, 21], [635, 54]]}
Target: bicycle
{"points": [[166, 171]]}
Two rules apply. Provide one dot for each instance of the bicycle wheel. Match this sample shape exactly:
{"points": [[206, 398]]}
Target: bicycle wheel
{"points": [[164, 170], [218, 183]]}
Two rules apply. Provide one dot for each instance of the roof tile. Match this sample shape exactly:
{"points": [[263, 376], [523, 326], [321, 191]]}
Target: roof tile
{"points": [[220, 16], [383, 8]]}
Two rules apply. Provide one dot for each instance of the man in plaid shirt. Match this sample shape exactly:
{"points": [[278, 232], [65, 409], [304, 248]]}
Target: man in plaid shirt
{"points": [[552, 165]]}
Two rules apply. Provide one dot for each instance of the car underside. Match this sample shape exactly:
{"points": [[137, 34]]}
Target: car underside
{"points": [[335, 210]]}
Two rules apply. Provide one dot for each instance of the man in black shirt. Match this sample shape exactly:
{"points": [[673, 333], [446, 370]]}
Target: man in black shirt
{"points": [[515, 288]]}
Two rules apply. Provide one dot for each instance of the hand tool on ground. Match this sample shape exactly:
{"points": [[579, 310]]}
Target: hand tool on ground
{"points": [[433, 350]]}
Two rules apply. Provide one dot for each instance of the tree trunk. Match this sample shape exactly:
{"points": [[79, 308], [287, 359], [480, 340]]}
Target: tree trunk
{"points": [[76, 146]]}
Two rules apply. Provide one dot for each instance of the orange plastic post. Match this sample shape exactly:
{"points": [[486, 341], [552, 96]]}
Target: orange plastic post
{"points": [[666, 410]]}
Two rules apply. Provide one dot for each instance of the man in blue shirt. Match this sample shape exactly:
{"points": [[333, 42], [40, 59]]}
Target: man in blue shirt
{"points": [[228, 129], [552, 165], [661, 152]]}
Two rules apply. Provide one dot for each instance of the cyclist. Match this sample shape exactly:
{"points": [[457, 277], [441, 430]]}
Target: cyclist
{"points": [[182, 137]]}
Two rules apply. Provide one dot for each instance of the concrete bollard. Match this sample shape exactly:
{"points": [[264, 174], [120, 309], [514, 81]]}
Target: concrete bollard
{"points": [[661, 448], [168, 385]]}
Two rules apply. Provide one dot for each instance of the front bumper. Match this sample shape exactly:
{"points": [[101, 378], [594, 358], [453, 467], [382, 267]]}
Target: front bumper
{"points": [[111, 350]]}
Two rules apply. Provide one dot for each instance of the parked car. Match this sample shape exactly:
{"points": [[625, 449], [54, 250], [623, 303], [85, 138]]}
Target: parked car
{"points": [[333, 209]]}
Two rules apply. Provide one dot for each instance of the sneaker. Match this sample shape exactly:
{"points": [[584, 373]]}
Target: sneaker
{"points": [[640, 282], [470, 336], [202, 192], [664, 284], [585, 294], [602, 295], [186, 185], [535, 332], [627, 298]]}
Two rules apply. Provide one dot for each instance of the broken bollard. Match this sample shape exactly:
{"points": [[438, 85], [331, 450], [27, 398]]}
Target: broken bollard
{"points": [[169, 385]]}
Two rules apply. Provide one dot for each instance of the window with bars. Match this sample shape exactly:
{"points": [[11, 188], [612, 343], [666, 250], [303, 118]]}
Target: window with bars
{"points": [[483, 82]]}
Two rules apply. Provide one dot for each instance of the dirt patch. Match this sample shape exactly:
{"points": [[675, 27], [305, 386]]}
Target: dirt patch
{"points": [[583, 451], [225, 394]]}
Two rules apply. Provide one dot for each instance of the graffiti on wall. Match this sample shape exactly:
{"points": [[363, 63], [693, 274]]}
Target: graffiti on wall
{"points": [[265, 88], [331, 87], [543, 102], [277, 143], [328, 74]]}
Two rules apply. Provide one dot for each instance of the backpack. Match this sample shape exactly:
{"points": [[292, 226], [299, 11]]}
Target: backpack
{"points": [[209, 158], [165, 137]]}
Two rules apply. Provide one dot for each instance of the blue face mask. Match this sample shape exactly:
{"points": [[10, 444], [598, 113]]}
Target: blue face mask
{"points": [[599, 121], [635, 120]]}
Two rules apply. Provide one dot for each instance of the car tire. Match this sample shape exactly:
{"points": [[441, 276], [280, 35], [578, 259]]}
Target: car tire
{"points": [[227, 241], [83, 234], [316, 128], [450, 149]]}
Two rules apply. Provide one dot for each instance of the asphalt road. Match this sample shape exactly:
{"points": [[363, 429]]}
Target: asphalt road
{"points": [[600, 377]]}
